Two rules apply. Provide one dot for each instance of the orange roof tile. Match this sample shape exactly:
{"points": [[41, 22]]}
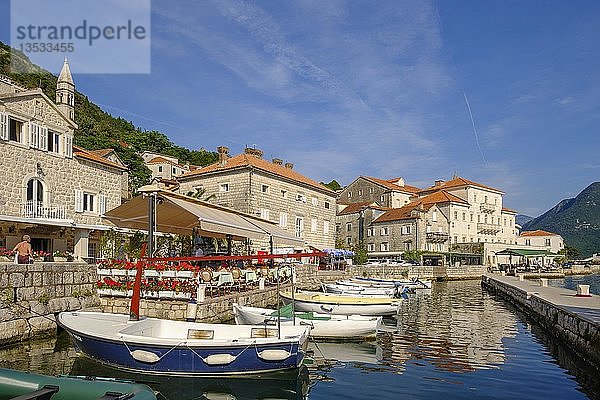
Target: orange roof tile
{"points": [[102, 152], [246, 160], [508, 210], [457, 182], [89, 155], [538, 232], [393, 186], [426, 203], [356, 207]]}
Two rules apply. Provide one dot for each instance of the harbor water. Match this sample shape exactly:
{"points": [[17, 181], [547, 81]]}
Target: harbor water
{"points": [[455, 341]]}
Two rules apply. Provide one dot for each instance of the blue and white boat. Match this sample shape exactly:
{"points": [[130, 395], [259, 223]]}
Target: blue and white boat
{"points": [[166, 347]]}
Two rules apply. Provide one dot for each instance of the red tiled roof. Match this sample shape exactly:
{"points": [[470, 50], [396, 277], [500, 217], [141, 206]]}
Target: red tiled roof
{"points": [[457, 182], [508, 210], [356, 207], [393, 186], [246, 160], [425, 203], [102, 152], [90, 155], [538, 232]]}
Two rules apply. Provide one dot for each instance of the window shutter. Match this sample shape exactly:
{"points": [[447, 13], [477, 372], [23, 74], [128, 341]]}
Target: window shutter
{"points": [[68, 146], [101, 204], [43, 138], [31, 129], [3, 126], [78, 200]]}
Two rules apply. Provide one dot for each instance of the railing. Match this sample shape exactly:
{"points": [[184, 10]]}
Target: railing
{"points": [[488, 228], [438, 237], [487, 208], [39, 209]]}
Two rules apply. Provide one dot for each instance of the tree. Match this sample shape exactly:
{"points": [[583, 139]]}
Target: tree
{"points": [[333, 185], [360, 254], [199, 193]]}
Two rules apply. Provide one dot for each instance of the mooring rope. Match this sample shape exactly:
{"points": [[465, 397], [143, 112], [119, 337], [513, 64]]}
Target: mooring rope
{"points": [[234, 357], [159, 358]]}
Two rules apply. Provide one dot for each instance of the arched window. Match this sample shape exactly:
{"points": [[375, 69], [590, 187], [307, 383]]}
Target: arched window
{"points": [[35, 190]]}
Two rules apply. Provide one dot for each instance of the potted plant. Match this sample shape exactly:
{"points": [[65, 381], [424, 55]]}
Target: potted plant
{"points": [[60, 256], [6, 255]]}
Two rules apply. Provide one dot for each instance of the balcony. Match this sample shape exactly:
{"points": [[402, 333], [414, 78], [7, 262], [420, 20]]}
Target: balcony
{"points": [[487, 208], [38, 209], [437, 237], [488, 229]]}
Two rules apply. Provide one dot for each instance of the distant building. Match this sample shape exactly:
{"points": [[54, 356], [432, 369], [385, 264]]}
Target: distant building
{"points": [[353, 221], [49, 189], [271, 190], [540, 239], [165, 167], [392, 193]]}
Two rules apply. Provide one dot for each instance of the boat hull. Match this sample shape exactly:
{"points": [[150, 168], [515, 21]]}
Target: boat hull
{"points": [[337, 327], [343, 304], [187, 357]]}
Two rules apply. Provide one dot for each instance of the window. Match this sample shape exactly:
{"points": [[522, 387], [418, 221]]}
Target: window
{"points": [[264, 213], [283, 218], [3, 126], [313, 225], [38, 136], [264, 188], [547, 242], [327, 205], [15, 130], [382, 198], [325, 227], [474, 197], [464, 216], [348, 226], [478, 218], [370, 247], [369, 232], [68, 149], [455, 239], [349, 240], [301, 197], [160, 168], [384, 231], [455, 215], [405, 230], [53, 142], [224, 187], [485, 199], [284, 194], [385, 246], [88, 202], [527, 242], [174, 171], [338, 228], [407, 246], [370, 190], [471, 217], [349, 194], [35, 191], [299, 226], [360, 192], [504, 221]]}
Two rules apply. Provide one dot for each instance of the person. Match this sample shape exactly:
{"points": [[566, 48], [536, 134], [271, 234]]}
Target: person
{"points": [[23, 249]]}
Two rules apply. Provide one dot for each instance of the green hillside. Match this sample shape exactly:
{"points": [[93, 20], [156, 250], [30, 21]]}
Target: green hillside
{"points": [[576, 220], [98, 129]]}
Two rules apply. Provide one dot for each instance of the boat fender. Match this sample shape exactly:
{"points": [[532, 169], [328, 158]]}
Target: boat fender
{"points": [[219, 359], [145, 356], [274, 355]]}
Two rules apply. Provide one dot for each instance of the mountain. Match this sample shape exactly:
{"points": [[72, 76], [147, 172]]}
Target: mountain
{"points": [[98, 129], [577, 220], [522, 219]]}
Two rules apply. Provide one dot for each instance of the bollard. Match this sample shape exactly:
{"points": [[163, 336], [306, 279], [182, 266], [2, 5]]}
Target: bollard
{"points": [[583, 291], [190, 312], [521, 277], [261, 283], [544, 282]]}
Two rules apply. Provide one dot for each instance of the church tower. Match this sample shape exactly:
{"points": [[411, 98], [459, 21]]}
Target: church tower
{"points": [[65, 92]]}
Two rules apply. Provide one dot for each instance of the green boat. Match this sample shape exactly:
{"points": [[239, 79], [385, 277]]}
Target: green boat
{"points": [[19, 385]]}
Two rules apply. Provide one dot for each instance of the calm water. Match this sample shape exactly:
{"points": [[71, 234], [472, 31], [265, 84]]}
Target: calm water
{"points": [[455, 342], [571, 282]]}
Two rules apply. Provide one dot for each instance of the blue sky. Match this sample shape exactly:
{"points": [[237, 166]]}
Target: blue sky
{"points": [[349, 88]]}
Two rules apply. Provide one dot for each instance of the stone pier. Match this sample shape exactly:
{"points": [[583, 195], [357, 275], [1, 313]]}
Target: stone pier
{"points": [[575, 320]]}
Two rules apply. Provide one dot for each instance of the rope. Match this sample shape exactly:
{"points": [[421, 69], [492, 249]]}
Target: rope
{"points": [[291, 348], [159, 358], [234, 357], [28, 309]]}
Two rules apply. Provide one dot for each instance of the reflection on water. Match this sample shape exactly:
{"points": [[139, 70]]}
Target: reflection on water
{"points": [[571, 282], [455, 341]]}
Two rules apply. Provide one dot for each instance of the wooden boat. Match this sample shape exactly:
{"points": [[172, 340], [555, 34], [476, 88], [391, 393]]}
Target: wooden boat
{"points": [[165, 347], [323, 326], [33, 386], [341, 304], [415, 283]]}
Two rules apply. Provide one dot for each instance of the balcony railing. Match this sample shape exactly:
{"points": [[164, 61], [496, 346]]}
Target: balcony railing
{"points": [[38, 209], [487, 208], [436, 237], [488, 228]]}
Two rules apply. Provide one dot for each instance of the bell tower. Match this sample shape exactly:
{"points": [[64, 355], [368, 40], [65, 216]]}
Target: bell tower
{"points": [[65, 91]]}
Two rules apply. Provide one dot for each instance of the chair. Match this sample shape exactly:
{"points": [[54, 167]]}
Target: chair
{"points": [[206, 277], [236, 273]]}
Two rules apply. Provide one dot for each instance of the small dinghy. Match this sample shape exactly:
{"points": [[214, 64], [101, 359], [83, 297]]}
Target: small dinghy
{"points": [[341, 304], [323, 326], [159, 346], [26, 385]]}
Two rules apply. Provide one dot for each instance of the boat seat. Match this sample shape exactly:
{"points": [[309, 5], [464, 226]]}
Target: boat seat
{"points": [[44, 393], [200, 334]]}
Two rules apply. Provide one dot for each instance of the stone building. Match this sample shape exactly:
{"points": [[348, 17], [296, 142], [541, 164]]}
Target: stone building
{"points": [[353, 220], [269, 189], [392, 193], [540, 239], [165, 167], [50, 189]]}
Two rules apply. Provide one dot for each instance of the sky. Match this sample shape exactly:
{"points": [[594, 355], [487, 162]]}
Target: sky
{"points": [[505, 93]]}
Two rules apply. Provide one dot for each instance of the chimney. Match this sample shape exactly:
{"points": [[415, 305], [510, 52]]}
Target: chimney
{"points": [[278, 161], [289, 165], [400, 181], [223, 154], [439, 182], [253, 152]]}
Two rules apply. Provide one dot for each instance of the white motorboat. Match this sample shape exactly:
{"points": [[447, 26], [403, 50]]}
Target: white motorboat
{"points": [[341, 304], [323, 326]]}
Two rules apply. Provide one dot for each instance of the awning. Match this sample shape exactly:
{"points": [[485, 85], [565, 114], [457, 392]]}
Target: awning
{"points": [[181, 215], [525, 253]]}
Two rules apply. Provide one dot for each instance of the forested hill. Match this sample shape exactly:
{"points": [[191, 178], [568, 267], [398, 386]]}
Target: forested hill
{"points": [[100, 130], [576, 220]]}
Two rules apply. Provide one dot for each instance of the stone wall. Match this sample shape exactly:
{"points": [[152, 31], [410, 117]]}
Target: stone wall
{"points": [[31, 295], [581, 333]]}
